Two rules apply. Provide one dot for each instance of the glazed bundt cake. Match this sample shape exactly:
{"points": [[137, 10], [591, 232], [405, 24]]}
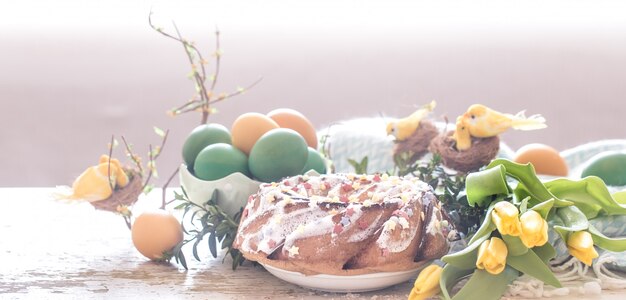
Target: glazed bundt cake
{"points": [[343, 224]]}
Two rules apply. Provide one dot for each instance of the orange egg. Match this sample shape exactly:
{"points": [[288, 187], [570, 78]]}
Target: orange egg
{"points": [[292, 119], [248, 128], [545, 159], [156, 232]]}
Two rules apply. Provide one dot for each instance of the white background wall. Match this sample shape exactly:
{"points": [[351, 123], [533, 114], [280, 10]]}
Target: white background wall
{"points": [[74, 72]]}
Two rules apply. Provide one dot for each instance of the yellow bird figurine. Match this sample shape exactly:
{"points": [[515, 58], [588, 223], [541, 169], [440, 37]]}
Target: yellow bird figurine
{"points": [[404, 128], [483, 122], [461, 135], [94, 185]]}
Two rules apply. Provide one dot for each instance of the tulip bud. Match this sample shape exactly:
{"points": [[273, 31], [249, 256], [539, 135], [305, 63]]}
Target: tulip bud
{"points": [[427, 283], [492, 256], [505, 216], [580, 245], [534, 229]]}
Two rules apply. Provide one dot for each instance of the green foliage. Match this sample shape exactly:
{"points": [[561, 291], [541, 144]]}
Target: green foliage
{"points": [[566, 205], [449, 187], [214, 224], [359, 167]]}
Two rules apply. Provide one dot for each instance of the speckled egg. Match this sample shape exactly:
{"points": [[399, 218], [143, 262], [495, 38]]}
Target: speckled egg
{"points": [[545, 159], [248, 128], [292, 119], [610, 166]]}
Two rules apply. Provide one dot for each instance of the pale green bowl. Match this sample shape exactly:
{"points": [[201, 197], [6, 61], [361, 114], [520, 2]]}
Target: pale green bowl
{"points": [[232, 191]]}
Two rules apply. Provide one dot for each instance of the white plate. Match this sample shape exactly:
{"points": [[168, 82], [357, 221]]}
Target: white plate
{"points": [[345, 284]]}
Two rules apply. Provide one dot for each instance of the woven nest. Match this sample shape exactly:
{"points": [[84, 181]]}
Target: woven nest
{"points": [[126, 196], [417, 143], [483, 150]]}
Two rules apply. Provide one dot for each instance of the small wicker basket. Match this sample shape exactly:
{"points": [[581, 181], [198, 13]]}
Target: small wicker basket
{"points": [[125, 196]]}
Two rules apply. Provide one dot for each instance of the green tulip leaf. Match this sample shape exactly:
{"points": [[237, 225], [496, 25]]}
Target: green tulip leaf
{"points": [[514, 245], [620, 197], [607, 243], [544, 208], [466, 258], [451, 275], [483, 185], [545, 252], [485, 286], [531, 264], [486, 227], [523, 207], [590, 195], [572, 219], [528, 182]]}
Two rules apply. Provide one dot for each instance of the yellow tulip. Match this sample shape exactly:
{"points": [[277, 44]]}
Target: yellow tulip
{"points": [[505, 216], [580, 245], [534, 229], [492, 256], [427, 283]]}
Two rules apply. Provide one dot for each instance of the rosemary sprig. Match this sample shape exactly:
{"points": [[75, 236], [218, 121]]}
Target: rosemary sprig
{"points": [[214, 222]]}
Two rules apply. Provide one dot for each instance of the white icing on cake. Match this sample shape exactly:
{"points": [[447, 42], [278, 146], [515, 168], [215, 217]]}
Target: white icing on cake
{"points": [[302, 207]]}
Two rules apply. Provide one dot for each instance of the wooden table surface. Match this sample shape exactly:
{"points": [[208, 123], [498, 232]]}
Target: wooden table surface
{"points": [[56, 250]]}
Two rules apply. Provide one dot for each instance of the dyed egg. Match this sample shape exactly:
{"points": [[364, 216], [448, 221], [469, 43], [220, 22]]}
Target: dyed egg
{"points": [[248, 128], [315, 161], [220, 160], [279, 153], [201, 137], [155, 233], [610, 166], [545, 159], [292, 119]]}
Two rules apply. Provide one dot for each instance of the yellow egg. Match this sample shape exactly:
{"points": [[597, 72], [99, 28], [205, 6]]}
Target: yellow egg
{"points": [[248, 128], [292, 119], [155, 233], [545, 159]]}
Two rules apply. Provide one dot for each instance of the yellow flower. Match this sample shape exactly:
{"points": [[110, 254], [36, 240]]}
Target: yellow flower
{"points": [[534, 229], [580, 245], [505, 216], [427, 283], [492, 256]]}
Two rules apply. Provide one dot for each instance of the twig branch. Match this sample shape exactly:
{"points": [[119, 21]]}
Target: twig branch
{"points": [[152, 157], [109, 162], [129, 152], [206, 96], [238, 92], [167, 183]]}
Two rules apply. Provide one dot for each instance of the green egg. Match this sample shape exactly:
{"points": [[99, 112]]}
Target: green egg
{"points": [[609, 166], [315, 161], [279, 153], [202, 136], [220, 160]]}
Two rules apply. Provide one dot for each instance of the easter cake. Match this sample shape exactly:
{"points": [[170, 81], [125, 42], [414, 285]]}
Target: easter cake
{"points": [[344, 224]]}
